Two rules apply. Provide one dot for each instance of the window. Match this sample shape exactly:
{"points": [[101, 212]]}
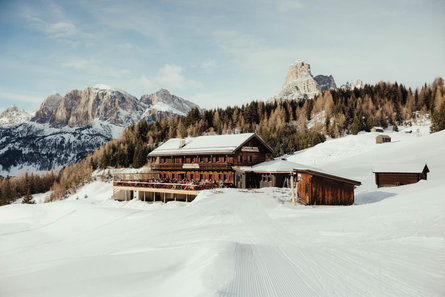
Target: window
{"points": [[240, 159], [249, 159], [210, 176], [225, 177], [201, 176], [192, 176]]}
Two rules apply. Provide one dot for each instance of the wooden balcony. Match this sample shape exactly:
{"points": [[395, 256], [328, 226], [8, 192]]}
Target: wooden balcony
{"points": [[193, 166]]}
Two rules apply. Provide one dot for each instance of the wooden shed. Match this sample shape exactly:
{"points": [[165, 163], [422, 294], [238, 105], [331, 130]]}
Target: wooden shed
{"points": [[320, 188], [382, 139], [399, 174]]}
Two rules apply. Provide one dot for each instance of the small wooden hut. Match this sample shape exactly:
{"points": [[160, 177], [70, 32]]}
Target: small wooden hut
{"points": [[319, 188], [399, 174], [382, 139]]}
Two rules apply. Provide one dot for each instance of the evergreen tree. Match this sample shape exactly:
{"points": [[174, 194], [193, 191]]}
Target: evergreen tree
{"points": [[140, 155], [438, 119], [356, 125], [28, 198]]}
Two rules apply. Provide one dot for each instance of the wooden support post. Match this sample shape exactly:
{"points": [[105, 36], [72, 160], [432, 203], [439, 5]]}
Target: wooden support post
{"points": [[292, 190], [125, 195], [144, 196], [164, 197], [186, 200], [175, 196]]}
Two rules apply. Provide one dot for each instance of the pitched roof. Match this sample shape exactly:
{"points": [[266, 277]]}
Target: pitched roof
{"points": [[401, 168], [329, 176], [213, 144], [278, 165]]}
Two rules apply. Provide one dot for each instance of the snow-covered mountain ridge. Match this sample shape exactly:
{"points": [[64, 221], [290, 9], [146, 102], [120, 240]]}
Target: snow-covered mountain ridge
{"points": [[12, 116], [39, 147], [66, 128], [100, 102]]}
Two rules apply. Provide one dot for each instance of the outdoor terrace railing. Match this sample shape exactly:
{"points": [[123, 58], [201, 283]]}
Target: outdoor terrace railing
{"points": [[191, 166], [165, 185]]}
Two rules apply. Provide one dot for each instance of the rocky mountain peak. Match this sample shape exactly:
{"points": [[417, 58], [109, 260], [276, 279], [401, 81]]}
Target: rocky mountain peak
{"points": [[300, 83], [358, 84], [299, 70], [325, 82], [164, 101], [13, 116], [47, 108]]}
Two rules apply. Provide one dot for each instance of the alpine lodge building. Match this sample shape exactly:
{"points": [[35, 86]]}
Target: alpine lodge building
{"points": [[209, 159]]}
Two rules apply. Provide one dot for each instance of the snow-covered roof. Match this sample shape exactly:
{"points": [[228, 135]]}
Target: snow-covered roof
{"points": [[404, 168], [216, 144], [283, 166], [277, 165]]}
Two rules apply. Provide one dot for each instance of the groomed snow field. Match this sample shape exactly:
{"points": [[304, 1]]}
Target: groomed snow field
{"points": [[242, 243]]}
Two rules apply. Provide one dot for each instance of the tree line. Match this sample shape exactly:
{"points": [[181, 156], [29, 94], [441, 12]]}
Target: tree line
{"points": [[12, 188], [286, 125]]}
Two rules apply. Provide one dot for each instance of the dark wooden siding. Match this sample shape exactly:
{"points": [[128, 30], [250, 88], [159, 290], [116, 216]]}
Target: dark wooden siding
{"points": [[384, 179], [317, 190]]}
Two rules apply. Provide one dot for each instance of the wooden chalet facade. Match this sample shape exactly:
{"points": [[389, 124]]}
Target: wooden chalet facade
{"points": [[180, 168], [208, 158], [319, 188], [399, 174]]}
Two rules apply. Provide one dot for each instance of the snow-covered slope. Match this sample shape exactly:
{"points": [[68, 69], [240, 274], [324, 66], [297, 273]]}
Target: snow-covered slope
{"points": [[241, 243]]}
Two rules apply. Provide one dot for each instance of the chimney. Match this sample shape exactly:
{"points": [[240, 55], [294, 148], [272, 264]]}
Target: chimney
{"points": [[181, 142]]}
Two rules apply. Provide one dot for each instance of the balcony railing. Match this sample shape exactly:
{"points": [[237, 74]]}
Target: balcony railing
{"points": [[192, 166], [167, 185]]}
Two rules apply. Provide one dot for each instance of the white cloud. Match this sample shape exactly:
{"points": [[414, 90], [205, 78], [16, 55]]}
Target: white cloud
{"points": [[171, 76], [60, 30], [289, 6], [144, 83], [12, 97], [80, 64], [54, 25], [208, 64]]}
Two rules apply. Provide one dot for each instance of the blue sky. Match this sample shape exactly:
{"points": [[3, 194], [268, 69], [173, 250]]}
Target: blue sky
{"points": [[215, 53]]}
